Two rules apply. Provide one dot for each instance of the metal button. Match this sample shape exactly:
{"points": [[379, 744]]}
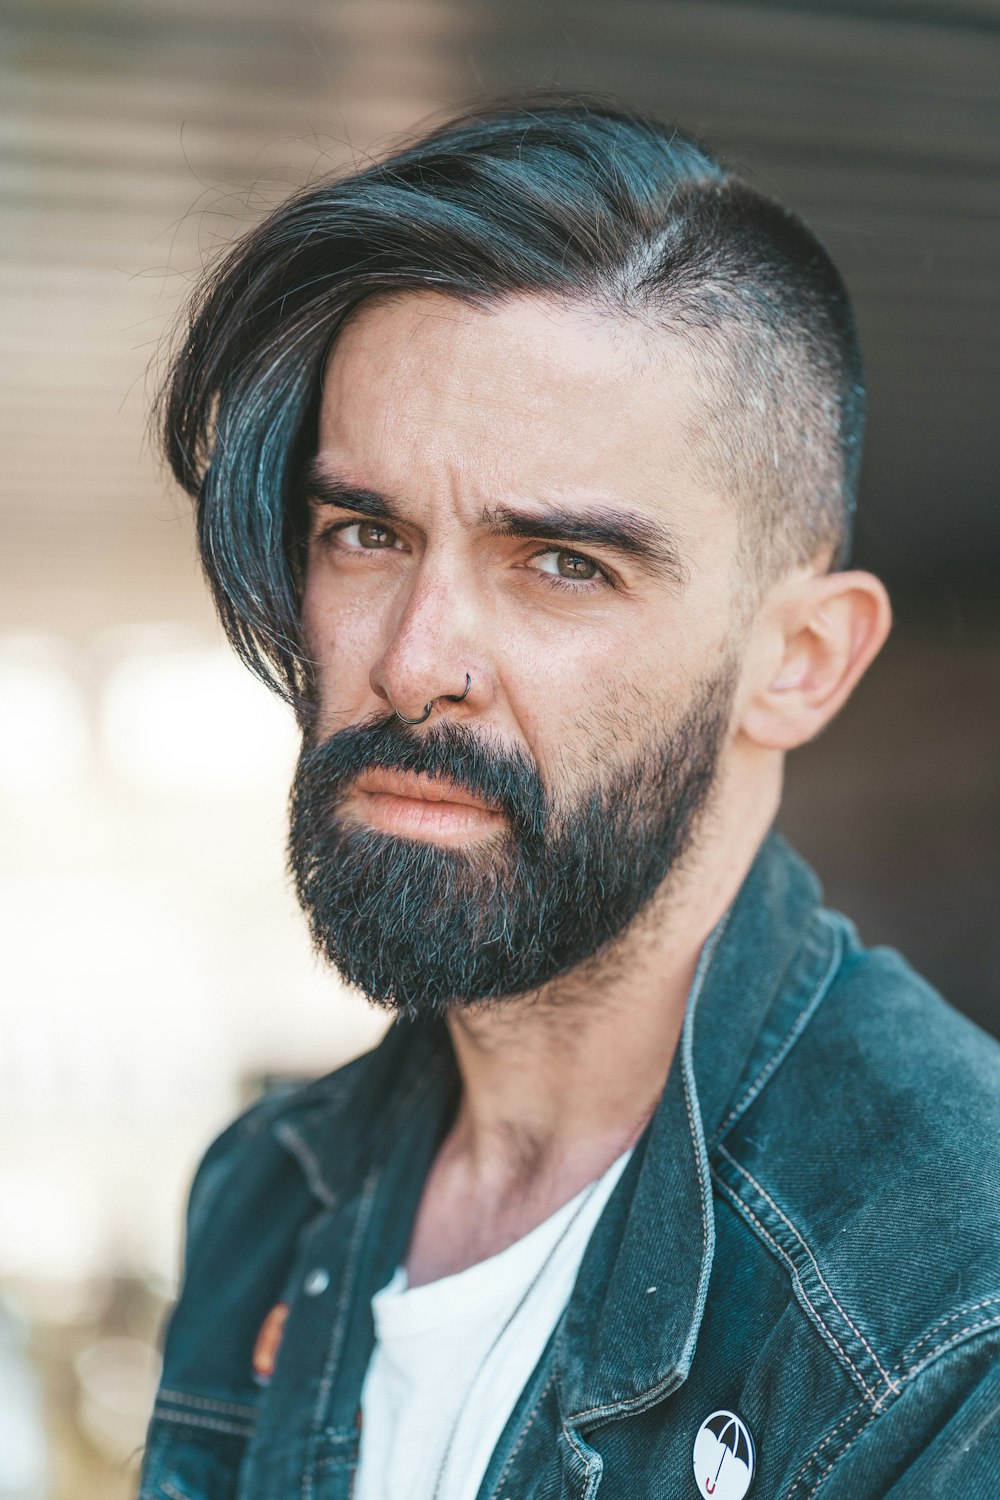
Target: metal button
{"points": [[316, 1282]]}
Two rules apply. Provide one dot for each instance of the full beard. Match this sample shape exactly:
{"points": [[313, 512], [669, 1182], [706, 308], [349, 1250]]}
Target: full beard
{"points": [[420, 928]]}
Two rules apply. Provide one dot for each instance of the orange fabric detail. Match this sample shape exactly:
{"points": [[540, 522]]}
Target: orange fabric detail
{"points": [[265, 1350]]}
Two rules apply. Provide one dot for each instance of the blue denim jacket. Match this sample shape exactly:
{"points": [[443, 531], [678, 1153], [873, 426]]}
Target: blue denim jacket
{"points": [[807, 1236]]}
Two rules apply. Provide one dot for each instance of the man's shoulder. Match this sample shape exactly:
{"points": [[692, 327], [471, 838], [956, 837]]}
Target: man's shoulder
{"points": [[888, 1069], [896, 1079], [267, 1143], [868, 1168]]}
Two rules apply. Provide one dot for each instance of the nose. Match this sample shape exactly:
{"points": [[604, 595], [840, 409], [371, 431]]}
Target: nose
{"points": [[430, 656]]}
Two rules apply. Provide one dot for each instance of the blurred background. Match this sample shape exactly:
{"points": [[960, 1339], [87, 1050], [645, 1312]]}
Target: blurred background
{"points": [[154, 972]]}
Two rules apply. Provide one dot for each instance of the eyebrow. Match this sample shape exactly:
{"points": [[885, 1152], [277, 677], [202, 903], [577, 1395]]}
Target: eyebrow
{"points": [[324, 488], [621, 531]]}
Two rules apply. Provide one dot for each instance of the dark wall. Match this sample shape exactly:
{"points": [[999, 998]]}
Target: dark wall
{"points": [[880, 123]]}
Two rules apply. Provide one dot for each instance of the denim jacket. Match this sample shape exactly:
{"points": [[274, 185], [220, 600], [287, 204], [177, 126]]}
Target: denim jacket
{"points": [[806, 1236]]}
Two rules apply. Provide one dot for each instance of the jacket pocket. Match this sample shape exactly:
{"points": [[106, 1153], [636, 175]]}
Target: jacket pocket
{"points": [[192, 1458]]}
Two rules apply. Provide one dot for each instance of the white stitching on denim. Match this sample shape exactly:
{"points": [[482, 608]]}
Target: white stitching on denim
{"points": [[308, 1161], [788, 1041], [702, 1192], [234, 1409], [687, 1067], [745, 1208], [669, 1382], [631, 1405], [909, 1375], [844, 1422], [777, 1056], [846, 1449], [935, 1328], [210, 1424], [523, 1434], [593, 1478], [954, 1338], [335, 1461], [826, 1285], [168, 1489], [365, 1206]]}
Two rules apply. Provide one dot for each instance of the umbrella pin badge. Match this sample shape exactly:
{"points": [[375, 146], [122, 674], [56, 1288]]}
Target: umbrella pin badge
{"points": [[723, 1457]]}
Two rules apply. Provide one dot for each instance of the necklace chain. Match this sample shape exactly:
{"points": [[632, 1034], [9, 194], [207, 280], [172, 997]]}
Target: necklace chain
{"points": [[501, 1333]]}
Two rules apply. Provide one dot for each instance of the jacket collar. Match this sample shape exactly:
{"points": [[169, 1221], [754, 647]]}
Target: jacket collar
{"points": [[630, 1330]]}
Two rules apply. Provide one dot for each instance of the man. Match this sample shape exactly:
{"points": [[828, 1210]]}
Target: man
{"points": [[524, 465]]}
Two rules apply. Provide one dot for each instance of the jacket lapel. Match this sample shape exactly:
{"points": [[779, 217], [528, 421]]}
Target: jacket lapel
{"points": [[630, 1331]]}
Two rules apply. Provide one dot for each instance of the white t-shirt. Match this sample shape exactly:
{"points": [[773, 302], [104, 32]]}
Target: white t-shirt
{"points": [[452, 1357]]}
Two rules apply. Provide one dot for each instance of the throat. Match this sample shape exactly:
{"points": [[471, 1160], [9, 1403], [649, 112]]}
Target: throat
{"points": [[464, 1218]]}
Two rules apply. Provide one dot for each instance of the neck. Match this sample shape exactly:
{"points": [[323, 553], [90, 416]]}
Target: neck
{"points": [[557, 1084], [571, 1074]]}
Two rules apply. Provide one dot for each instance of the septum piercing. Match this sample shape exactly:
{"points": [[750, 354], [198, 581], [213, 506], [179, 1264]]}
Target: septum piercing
{"points": [[451, 697]]}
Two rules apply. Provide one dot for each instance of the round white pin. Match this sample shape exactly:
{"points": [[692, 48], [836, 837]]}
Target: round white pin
{"points": [[723, 1457]]}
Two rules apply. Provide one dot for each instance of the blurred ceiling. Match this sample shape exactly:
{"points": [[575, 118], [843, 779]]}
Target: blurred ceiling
{"points": [[136, 138]]}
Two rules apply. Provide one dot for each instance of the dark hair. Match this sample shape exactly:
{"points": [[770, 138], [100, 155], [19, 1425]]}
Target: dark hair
{"points": [[561, 198]]}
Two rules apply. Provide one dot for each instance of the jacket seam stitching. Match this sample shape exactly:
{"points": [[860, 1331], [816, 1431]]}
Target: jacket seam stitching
{"points": [[815, 1264], [906, 1378], [951, 1342], [307, 1159], [630, 1406], [366, 1204], [839, 1427], [594, 1471], [698, 1144], [365, 1208], [171, 1491], [783, 1255], [791, 1036], [669, 1381], [962, 1312], [821, 1479], [287, 1132], [210, 1424], [232, 1408], [701, 1161], [529, 1421]]}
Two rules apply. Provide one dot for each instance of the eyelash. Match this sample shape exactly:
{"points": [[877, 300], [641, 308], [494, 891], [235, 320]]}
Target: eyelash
{"points": [[581, 585], [603, 579]]}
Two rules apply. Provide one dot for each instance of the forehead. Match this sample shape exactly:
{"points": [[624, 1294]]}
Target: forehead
{"points": [[524, 397]]}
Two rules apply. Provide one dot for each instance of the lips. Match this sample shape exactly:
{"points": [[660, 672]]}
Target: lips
{"points": [[418, 786]]}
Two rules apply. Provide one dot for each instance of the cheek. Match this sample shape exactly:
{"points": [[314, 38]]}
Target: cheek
{"points": [[598, 697], [341, 633], [605, 699]]}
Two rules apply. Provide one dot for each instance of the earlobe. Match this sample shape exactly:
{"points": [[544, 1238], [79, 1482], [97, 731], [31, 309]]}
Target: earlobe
{"points": [[826, 632]]}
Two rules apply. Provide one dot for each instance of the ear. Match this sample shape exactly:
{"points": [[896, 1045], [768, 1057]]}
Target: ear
{"points": [[820, 635]]}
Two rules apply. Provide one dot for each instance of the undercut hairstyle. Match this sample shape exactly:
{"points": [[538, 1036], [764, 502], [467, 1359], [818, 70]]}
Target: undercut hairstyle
{"points": [[570, 200]]}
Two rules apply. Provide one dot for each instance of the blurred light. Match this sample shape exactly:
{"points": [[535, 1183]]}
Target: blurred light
{"points": [[44, 741], [50, 1228], [190, 719], [22, 1433], [118, 1379]]}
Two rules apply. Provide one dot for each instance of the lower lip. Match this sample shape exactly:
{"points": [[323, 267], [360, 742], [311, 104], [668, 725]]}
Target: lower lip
{"points": [[419, 818]]}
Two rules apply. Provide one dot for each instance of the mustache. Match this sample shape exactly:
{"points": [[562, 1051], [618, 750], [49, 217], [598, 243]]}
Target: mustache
{"points": [[502, 777]]}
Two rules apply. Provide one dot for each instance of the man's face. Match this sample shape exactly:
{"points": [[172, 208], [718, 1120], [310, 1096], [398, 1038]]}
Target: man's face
{"points": [[508, 496]]}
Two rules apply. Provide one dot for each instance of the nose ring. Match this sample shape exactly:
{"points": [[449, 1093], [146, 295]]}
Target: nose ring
{"points": [[451, 697]]}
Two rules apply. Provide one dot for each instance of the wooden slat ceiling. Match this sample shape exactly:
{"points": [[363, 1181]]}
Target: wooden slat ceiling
{"points": [[136, 138]]}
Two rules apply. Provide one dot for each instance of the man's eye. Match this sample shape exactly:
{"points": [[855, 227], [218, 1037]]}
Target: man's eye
{"points": [[568, 565], [369, 534]]}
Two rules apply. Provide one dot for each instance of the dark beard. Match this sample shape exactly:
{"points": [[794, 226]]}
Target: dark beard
{"points": [[420, 927]]}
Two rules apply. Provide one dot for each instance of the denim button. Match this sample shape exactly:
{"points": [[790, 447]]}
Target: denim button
{"points": [[316, 1282]]}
